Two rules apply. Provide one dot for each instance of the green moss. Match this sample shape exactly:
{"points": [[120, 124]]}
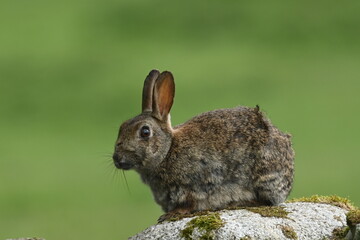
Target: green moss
{"points": [[206, 224], [332, 200], [340, 233], [269, 211], [353, 217], [188, 215], [288, 232]]}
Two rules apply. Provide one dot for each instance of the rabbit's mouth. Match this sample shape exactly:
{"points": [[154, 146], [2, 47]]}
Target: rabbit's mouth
{"points": [[120, 163]]}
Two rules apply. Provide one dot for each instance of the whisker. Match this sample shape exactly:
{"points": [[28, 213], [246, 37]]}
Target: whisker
{"points": [[114, 172], [104, 154], [115, 178], [126, 182]]}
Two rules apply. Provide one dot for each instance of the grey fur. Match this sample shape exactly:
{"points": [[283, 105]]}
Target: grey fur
{"points": [[218, 159]]}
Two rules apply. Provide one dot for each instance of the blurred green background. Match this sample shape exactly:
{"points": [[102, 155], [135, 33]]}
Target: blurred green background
{"points": [[72, 71]]}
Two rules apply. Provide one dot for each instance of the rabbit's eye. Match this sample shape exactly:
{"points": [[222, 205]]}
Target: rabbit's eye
{"points": [[145, 132]]}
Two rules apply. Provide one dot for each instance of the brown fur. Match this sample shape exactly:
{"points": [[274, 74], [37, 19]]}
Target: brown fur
{"points": [[218, 159]]}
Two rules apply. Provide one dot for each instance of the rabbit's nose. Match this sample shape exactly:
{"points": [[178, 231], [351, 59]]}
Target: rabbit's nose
{"points": [[115, 157], [121, 163]]}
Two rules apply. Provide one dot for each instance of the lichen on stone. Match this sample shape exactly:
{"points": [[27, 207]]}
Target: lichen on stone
{"points": [[340, 233], [206, 225], [245, 238], [270, 211], [353, 217], [332, 200], [288, 232]]}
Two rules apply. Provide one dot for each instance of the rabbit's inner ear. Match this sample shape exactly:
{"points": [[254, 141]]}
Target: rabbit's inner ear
{"points": [[148, 89], [163, 97]]}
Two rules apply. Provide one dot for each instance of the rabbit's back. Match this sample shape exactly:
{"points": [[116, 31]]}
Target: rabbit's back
{"points": [[223, 129], [225, 157]]}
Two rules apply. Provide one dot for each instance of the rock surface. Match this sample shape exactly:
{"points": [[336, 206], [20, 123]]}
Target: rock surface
{"points": [[303, 221]]}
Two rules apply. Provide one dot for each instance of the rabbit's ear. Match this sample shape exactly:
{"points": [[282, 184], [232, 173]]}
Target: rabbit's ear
{"points": [[163, 97], [147, 95]]}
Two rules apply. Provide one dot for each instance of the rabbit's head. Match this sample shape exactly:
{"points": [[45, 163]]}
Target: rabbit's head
{"points": [[144, 141]]}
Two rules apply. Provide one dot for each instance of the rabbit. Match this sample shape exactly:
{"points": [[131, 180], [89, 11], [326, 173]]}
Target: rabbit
{"points": [[219, 159]]}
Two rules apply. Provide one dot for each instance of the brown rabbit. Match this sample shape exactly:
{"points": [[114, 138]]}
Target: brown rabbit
{"points": [[218, 159]]}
